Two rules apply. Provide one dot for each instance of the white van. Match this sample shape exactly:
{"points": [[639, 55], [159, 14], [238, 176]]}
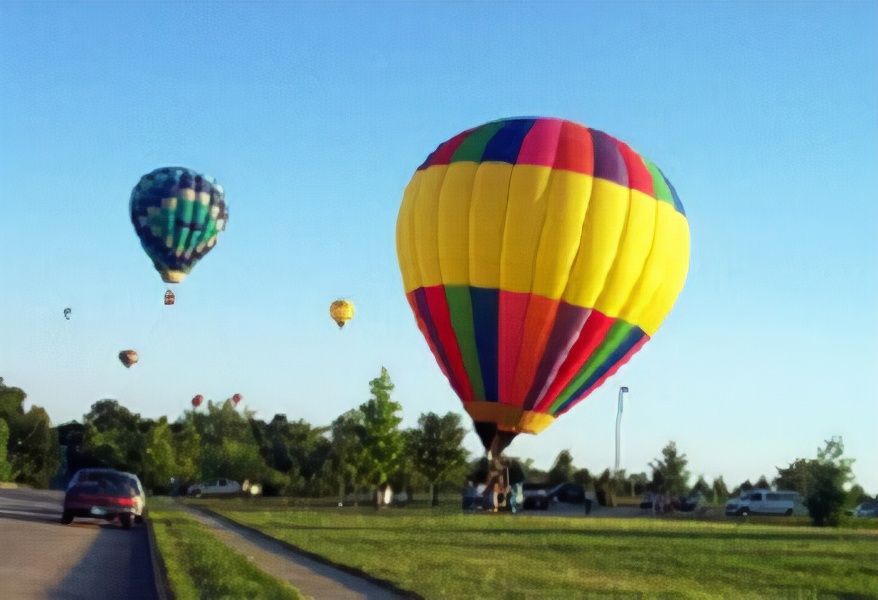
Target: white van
{"points": [[767, 502]]}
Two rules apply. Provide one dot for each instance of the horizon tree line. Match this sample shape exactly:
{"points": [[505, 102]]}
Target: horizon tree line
{"points": [[363, 450]]}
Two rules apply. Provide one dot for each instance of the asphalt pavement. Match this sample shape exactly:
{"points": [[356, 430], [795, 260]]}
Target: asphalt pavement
{"points": [[40, 559]]}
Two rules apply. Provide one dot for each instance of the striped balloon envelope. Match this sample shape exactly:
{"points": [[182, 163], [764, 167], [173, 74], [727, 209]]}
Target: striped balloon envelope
{"points": [[538, 256]]}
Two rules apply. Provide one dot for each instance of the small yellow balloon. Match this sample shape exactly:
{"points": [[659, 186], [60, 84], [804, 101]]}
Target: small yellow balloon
{"points": [[341, 312]]}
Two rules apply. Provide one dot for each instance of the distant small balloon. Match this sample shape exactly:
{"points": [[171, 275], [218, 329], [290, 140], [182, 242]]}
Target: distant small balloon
{"points": [[128, 358], [236, 398], [341, 312], [67, 312], [196, 401]]}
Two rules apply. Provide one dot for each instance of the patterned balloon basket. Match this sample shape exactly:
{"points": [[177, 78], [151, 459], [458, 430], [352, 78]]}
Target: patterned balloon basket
{"points": [[169, 298]]}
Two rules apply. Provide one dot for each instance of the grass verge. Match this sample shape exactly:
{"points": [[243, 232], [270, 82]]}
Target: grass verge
{"points": [[451, 555], [201, 567]]}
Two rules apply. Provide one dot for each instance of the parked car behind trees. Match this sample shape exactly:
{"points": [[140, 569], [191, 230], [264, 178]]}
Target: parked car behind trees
{"points": [[215, 487]]}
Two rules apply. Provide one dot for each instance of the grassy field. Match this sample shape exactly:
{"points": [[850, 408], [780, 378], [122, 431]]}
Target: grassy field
{"points": [[446, 554], [200, 567]]}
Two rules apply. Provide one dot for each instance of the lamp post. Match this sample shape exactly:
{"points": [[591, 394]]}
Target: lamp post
{"points": [[622, 390]]}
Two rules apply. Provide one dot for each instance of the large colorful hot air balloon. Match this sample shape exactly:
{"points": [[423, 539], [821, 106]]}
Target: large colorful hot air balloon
{"points": [[178, 215], [341, 312], [538, 256], [128, 358]]}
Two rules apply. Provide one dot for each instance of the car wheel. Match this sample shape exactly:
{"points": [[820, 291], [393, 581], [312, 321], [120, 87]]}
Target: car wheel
{"points": [[744, 512], [789, 512], [197, 493], [66, 518], [126, 521]]}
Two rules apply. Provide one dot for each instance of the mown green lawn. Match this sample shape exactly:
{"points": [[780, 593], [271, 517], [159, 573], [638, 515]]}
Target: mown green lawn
{"points": [[201, 567], [445, 554]]}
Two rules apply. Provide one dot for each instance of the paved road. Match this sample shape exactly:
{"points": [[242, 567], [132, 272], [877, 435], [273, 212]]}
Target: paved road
{"points": [[40, 559]]}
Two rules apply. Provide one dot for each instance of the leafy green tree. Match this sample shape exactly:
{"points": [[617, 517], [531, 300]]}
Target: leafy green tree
{"points": [[160, 464], [797, 477], [603, 487], [762, 483], [5, 465], [236, 460], [744, 487], [582, 477], [436, 448], [826, 499], [720, 490], [382, 439], [230, 449], [562, 470], [669, 474], [701, 486], [187, 451], [638, 483], [32, 450], [112, 436], [830, 474], [309, 450], [37, 455], [856, 495], [821, 481], [347, 451], [406, 476]]}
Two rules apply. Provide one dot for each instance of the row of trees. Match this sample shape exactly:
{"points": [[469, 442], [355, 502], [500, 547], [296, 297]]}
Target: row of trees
{"points": [[363, 449]]}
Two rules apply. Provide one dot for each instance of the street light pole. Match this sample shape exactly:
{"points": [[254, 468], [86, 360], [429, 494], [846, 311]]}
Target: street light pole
{"points": [[622, 390]]}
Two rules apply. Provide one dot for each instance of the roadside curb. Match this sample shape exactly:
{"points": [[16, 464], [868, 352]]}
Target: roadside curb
{"points": [[159, 572], [384, 583]]}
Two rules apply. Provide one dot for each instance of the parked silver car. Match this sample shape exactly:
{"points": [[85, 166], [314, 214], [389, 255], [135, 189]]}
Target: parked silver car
{"points": [[215, 487]]}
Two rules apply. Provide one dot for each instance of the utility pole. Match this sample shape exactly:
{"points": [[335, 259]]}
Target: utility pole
{"points": [[622, 390]]}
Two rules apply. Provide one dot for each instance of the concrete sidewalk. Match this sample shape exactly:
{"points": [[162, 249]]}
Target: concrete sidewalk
{"points": [[312, 577]]}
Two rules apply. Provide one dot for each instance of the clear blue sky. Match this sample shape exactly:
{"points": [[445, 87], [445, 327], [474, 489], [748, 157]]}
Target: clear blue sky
{"points": [[314, 116]]}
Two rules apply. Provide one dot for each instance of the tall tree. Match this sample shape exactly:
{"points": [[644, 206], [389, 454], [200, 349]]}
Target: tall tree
{"points": [[797, 477], [436, 447], [669, 472], [160, 463], [701, 486], [37, 455], [583, 477], [720, 490], [187, 451], [562, 470], [821, 481], [112, 436], [382, 439], [347, 451], [33, 452], [830, 474], [5, 466]]}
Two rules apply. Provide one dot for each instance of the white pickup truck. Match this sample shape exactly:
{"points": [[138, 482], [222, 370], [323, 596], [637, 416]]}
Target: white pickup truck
{"points": [[214, 487]]}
